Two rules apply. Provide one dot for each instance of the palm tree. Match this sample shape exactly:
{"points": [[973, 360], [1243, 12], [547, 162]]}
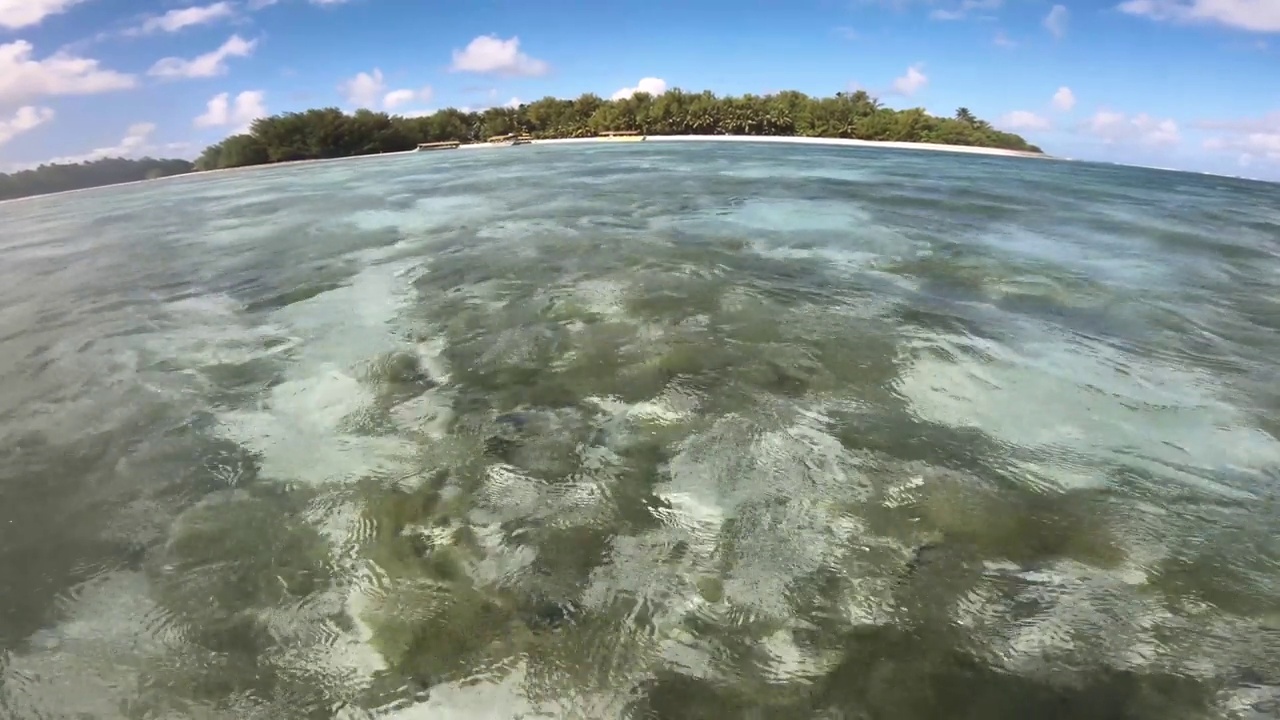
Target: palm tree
{"points": [[964, 116]]}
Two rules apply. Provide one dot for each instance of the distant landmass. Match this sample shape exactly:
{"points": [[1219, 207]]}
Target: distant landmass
{"points": [[78, 176], [327, 133]]}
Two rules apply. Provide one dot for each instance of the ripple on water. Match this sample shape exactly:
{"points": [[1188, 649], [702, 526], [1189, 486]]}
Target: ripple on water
{"points": [[632, 432]]}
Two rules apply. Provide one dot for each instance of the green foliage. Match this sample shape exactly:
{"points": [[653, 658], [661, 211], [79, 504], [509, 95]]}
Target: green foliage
{"points": [[108, 171], [330, 133]]}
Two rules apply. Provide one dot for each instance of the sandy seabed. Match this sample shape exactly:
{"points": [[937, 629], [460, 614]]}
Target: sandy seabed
{"points": [[794, 140]]}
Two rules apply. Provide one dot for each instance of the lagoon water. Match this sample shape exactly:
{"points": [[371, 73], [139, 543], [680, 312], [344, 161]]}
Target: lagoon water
{"points": [[659, 431]]}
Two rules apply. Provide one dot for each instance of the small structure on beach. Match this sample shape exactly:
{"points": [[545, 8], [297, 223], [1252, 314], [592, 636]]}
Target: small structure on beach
{"points": [[447, 145], [511, 139], [621, 136]]}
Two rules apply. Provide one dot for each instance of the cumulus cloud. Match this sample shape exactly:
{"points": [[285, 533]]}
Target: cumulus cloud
{"points": [[513, 103], [1064, 99], [210, 64], [238, 114], [364, 90], [913, 81], [964, 9], [135, 143], [1056, 21], [1113, 126], [260, 4], [490, 54], [182, 18], [26, 118], [23, 77], [1267, 123], [1253, 137], [397, 98], [1254, 15], [17, 14], [368, 90], [1024, 120], [651, 85]]}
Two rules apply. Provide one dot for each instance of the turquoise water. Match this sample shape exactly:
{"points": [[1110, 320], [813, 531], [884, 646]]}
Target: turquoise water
{"points": [[672, 431]]}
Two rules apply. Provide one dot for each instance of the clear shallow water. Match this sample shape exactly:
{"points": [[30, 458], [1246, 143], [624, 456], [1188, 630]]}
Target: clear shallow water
{"points": [[660, 432]]}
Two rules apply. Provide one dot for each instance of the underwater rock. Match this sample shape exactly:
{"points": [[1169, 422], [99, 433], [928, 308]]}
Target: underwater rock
{"points": [[398, 369], [500, 448], [514, 420], [926, 554], [552, 614]]}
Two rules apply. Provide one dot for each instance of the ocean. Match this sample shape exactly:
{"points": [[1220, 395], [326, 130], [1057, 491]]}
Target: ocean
{"points": [[695, 430]]}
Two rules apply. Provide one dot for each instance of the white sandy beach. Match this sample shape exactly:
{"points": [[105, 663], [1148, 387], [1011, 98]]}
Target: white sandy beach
{"points": [[795, 140]]}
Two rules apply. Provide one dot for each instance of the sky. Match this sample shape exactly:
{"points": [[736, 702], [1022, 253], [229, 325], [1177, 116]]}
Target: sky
{"points": [[1185, 84]]}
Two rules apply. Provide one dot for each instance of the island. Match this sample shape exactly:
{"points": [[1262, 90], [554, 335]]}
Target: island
{"points": [[60, 177], [330, 133]]}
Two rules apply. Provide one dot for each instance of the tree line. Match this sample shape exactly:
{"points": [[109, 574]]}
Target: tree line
{"points": [[78, 176], [331, 133]]}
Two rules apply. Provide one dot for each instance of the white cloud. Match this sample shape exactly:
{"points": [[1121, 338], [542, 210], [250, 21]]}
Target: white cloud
{"points": [[1056, 21], [1002, 40], [210, 64], [651, 85], [514, 102], [135, 143], [490, 54], [1064, 99], [22, 77], [1252, 145], [1267, 123], [1254, 137], [364, 90], [238, 114], [182, 18], [965, 7], [1255, 15], [912, 81], [16, 14], [26, 118], [369, 91], [397, 98], [1113, 126], [259, 4], [1024, 120]]}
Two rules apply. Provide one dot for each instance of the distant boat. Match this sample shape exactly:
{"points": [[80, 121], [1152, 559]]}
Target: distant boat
{"points": [[621, 136], [447, 145]]}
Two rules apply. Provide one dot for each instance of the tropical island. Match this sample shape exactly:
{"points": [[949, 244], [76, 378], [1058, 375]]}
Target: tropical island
{"points": [[79, 176], [328, 133]]}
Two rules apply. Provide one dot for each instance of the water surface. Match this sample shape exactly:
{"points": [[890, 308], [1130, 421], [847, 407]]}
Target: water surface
{"points": [[685, 431]]}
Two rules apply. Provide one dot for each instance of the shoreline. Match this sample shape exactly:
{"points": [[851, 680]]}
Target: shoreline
{"points": [[778, 139], [803, 140], [775, 139]]}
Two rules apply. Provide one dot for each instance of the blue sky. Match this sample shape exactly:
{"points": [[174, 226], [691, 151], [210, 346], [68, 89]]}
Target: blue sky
{"points": [[1190, 84]]}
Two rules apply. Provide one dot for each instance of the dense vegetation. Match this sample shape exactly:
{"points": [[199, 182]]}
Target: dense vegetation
{"points": [[108, 171], [330, 133]]}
